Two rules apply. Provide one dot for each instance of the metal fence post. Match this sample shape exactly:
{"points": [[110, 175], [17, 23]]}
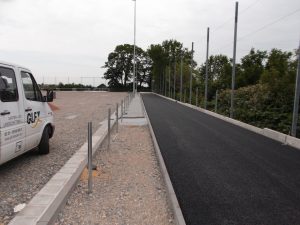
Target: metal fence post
{"points": [[206, 70], [184, 95], [233, 61], [122, 111], [191, 75], [108, 129], [117, 117], [181, 77], [123, 106], [216, 104], [174, 94], [296, 98], [90, 153], [196, 97]]}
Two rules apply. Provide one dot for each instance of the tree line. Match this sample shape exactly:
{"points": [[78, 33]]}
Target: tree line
{"points": [[265, 80]]}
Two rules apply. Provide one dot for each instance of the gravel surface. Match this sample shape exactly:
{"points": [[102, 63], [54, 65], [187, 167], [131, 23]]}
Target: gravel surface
{"points": [[22, 178], [128, 187]]}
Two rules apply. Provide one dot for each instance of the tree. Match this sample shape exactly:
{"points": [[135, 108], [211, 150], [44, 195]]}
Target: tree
{"points": [[144, 70], [279, 78], [269, 102], [159, 60], [120, 65], [164, 56], [252, 67], [219, 74]]}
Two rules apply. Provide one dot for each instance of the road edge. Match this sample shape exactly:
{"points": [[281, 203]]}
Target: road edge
{"points": [[269, 133], [45, 206], [178, 216]]}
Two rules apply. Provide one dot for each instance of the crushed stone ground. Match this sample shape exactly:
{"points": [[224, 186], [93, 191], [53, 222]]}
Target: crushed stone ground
{"points": [[127, 187]]}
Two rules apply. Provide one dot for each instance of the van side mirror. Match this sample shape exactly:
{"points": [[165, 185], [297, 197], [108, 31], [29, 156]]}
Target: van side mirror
{"points": [[49, 96]]}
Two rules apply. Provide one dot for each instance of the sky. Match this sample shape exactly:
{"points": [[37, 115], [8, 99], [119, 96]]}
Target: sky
{"points": [[69, 40]]}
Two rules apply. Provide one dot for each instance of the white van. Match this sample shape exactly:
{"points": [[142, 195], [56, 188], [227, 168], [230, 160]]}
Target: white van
{"points": [[26, 120]]}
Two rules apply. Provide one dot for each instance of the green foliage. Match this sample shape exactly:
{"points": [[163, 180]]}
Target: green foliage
{"points": [[265, 81], [120, 66], [166, 58], [251, 68], [254, 105], [268, 103]]}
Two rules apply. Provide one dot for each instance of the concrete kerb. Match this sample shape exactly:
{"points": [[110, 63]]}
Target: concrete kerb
{"points": [[173, 202], [272, 134], [47, 203]]}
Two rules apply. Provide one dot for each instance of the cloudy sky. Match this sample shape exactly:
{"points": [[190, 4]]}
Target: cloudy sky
{"points": [[61, 40]]}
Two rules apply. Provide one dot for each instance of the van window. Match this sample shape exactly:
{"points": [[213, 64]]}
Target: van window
{"points": [[8, 85], [32, 91]]}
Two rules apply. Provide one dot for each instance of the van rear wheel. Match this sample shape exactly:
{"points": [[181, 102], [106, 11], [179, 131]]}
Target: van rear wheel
{"points": [[43, 147]]}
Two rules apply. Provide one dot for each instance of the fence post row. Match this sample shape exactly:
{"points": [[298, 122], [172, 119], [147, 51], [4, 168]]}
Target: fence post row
{"points": [[108, 129], [117, 117], [90, 134], [123, 105], [216, 104], [90, 153], [122, 111], [196, 97]]}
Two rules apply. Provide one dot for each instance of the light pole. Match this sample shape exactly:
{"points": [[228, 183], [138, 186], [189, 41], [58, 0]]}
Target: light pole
{"points": [[134, 58], [296, 99], [181, 59], [233, 60], [174, 95], [191, 76], [206, 69]]}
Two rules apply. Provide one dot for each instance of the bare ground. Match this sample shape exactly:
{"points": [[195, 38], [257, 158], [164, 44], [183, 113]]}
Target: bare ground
{"points": [[128, 186]]}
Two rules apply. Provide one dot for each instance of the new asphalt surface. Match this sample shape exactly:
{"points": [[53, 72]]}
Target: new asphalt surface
{"points": [[222, 173]]}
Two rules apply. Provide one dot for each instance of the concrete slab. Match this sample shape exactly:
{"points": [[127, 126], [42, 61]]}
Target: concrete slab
{"points": [[33, 210], [134, 122], [135, 114], [42, 199], [135, 109], [275, 135], [24, 220], [51, 189], [292, 141]]}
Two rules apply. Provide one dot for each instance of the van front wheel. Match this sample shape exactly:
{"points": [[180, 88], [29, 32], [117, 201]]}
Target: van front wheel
{"points": [[43, 147]]}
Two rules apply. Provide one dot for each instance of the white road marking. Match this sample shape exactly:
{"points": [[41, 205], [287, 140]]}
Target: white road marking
{"points": [[71, 117]]}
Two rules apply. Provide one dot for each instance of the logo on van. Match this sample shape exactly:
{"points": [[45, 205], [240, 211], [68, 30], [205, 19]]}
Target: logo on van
{"points": [[33, 118]]}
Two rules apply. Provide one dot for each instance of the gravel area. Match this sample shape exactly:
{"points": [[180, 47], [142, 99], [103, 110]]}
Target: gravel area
{"points": [[23, 177], [128, 187]]}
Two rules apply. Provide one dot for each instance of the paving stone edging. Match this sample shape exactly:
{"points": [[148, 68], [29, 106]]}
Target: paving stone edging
{"points": [[272, 134], [173, 202], [47, 203]]}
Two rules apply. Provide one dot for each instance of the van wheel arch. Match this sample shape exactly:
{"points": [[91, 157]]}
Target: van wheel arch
{"points": [[43, 147]]}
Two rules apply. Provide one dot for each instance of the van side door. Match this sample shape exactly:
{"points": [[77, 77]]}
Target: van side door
{"points": [[12, 126], [34, 109]]}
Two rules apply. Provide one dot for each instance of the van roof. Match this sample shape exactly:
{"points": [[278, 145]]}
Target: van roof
{"points": [[13, 65]]}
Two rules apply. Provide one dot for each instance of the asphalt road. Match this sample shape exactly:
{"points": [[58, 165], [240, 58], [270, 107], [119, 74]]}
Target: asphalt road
{"points": [[222, 173]]}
